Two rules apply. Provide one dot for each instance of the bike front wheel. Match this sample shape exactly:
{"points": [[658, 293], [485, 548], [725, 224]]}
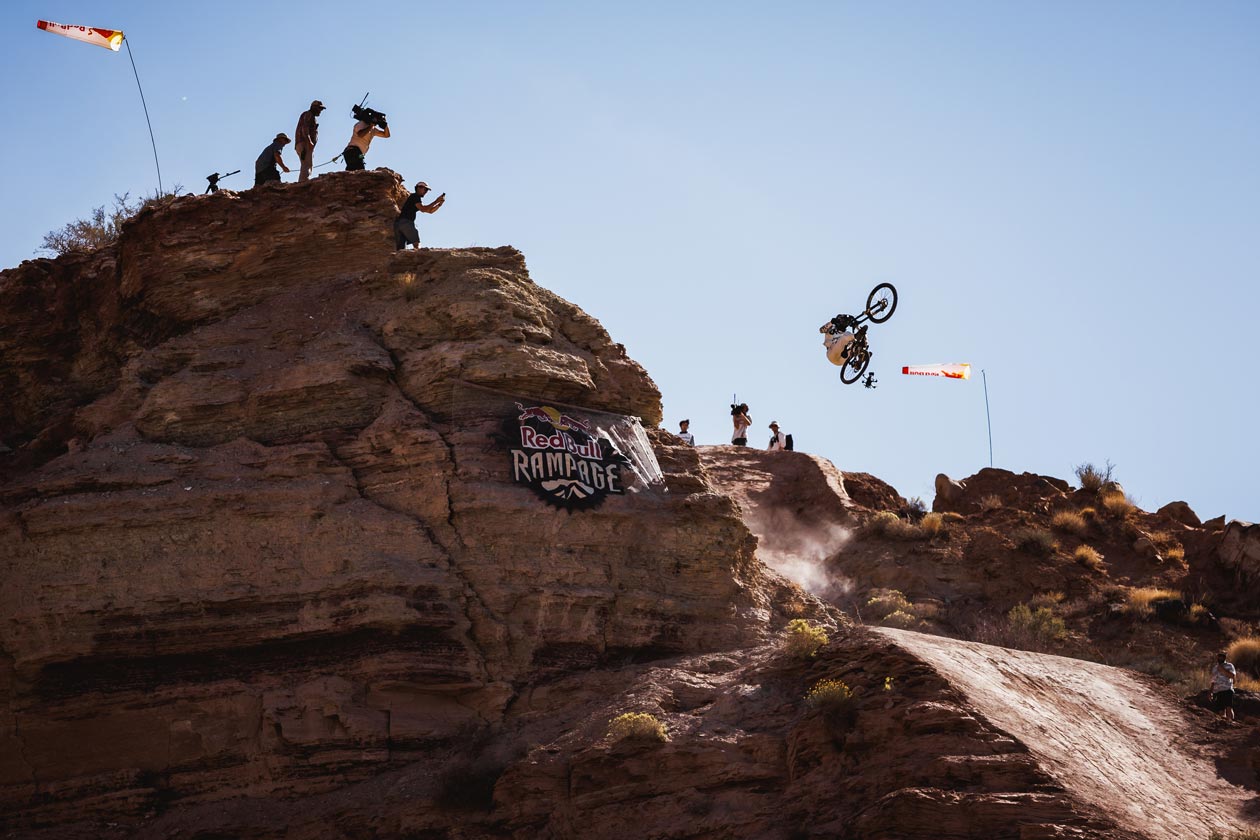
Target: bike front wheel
{"points": [[881, 302], [855, 366]]}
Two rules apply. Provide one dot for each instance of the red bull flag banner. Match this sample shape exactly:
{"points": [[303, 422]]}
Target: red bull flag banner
{"points": [[962, 371], [110, 39]]}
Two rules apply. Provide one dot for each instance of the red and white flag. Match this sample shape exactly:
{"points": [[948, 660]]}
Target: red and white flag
{"points": [[110, 39], [962, 371]]}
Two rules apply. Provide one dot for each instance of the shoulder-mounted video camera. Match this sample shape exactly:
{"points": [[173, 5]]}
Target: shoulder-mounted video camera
{"points": [[371, 116]]}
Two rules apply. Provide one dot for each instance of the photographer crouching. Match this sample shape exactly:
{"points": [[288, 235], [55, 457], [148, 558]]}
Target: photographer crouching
{"points": [[405, 225], [370, 124]]}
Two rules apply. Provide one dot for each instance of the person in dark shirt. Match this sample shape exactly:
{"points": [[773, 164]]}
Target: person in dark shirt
{"points": [[405, 225], [265, 167]]}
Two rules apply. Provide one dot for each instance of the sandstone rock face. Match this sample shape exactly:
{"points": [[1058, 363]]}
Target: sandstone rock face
{"points": [[948, 492], [1008, 488], [259, 531], [265, 571], [1239, 551]]}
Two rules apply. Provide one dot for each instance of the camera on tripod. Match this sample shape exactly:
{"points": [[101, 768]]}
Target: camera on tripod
{"points": [[371, 116]]}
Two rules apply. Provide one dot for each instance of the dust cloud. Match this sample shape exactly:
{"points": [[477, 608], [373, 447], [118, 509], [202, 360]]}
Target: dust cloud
{"points": [[800, 552]]}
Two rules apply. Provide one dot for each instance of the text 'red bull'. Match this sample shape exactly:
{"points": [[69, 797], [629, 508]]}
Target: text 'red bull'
{"points": [[562, 441]]}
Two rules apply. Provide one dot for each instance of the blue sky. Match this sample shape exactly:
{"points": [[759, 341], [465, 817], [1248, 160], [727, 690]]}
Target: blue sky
{"points": [[1065, 194]]}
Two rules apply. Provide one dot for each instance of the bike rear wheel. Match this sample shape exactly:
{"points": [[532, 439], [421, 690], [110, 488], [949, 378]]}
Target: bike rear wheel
{"points": [[881, 302], [855, 366]]}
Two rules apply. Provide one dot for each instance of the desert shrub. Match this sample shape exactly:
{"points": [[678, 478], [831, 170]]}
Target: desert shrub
{"points": [[1245, 654], [950, 517], [932, 524], [1037, 628], [888, 524], [886, 601], [640, 726], [990, 502], [1116, 505], [1249, 834], [802, 639], [1175, 552], [1089, 514], [1046, 599], [899, 619], [1035, 541], [101, 227], [1247, 683], [916, 508], [1088, 557], [1069, 522], [1092, 478], [828, 694], [1138, 601]]}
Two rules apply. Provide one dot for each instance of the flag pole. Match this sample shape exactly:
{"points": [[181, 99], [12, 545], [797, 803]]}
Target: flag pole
{"points": [[985, 377], [127, 41]]}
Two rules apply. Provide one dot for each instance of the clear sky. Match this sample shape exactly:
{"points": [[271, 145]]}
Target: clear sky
{"points": [[1066, 194]]}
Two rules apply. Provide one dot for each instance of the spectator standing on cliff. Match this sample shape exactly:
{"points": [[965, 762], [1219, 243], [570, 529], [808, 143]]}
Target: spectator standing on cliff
{"points": [[1223, 674], [265, 167], [360, 140], [307, 135], [687, 437], [741, 423], [779, 442], [405, 225]]}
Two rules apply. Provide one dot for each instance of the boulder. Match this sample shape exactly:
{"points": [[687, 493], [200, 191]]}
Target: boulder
{"points": [[949, 493], [1181, 512], [1239, 550]]}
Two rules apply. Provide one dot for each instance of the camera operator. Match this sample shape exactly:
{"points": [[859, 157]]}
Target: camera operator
{"points": [[405, 225], [361, 138], [265, 167]]}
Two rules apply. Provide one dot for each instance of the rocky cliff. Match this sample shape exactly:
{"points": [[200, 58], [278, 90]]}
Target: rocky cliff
{"points": [[303, 538]]}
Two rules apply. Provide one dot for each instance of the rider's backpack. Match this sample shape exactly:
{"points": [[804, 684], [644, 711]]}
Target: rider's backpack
{"points": [[788, 445]]}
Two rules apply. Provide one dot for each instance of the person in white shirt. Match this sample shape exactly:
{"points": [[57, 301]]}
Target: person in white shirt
{"points": [[741, 423], [778, 440], [1223, 674], [687, 437], [360, 140]]}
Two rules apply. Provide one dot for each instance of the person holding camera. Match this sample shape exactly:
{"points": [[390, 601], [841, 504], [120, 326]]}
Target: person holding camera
{"points": [[361, 138], [265, 167], [307, 135], [1222, 678], [741, 423], [405, 225]]}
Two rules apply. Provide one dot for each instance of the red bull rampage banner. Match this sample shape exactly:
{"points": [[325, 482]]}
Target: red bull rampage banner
{"points": [[562, 460]]}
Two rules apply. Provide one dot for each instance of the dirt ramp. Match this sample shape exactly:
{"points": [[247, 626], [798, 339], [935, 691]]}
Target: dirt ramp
{"points": [[1110, 741]]}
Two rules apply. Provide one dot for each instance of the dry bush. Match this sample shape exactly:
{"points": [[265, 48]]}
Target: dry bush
{"points": [[1035, 541], [1116, 505], [828, 694], [1089, 514], [1092, 478], [802, 639], [1245, 654], [101, 227], [640, 726], [916, 508], [1038, 629], [900, 620], [1069, 522], [990, 502], [888, 524], [886, 601], [1138, 601], [1046, 599], [1247, 683], [1175, 552], [950, 517], [1249, 834], [1088, 557], [932, 525]]}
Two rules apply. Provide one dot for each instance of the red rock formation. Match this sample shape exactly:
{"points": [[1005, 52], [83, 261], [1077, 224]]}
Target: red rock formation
{"points": [[264, 571]]}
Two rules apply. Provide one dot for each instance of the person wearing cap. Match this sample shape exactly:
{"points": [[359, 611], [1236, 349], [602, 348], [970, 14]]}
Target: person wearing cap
{"points": [[307, 134], [265, 167], [687, 437], [405, 225], [778, 440]]}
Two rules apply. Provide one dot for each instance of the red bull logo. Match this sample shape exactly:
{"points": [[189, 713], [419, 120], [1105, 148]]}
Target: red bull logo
{"points": [[560, 458]]}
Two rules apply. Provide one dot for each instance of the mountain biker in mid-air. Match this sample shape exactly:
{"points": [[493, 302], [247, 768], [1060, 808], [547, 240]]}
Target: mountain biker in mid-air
{"points": [[844, 336]]}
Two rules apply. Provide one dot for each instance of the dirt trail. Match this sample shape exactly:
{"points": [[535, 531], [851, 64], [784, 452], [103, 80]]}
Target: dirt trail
{"points": [[1099, 731]]}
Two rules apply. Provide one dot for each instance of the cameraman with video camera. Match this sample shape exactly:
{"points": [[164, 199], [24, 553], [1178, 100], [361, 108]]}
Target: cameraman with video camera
{"points": [[370, 124], [405, 232]]}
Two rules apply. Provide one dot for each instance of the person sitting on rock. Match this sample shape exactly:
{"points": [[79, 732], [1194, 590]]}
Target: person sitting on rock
{"points": [[1223, 674], [265, 167], [405, 225]]}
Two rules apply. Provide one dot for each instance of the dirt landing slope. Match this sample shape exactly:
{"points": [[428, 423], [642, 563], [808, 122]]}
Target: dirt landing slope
{"points": [[1098, 730]]}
